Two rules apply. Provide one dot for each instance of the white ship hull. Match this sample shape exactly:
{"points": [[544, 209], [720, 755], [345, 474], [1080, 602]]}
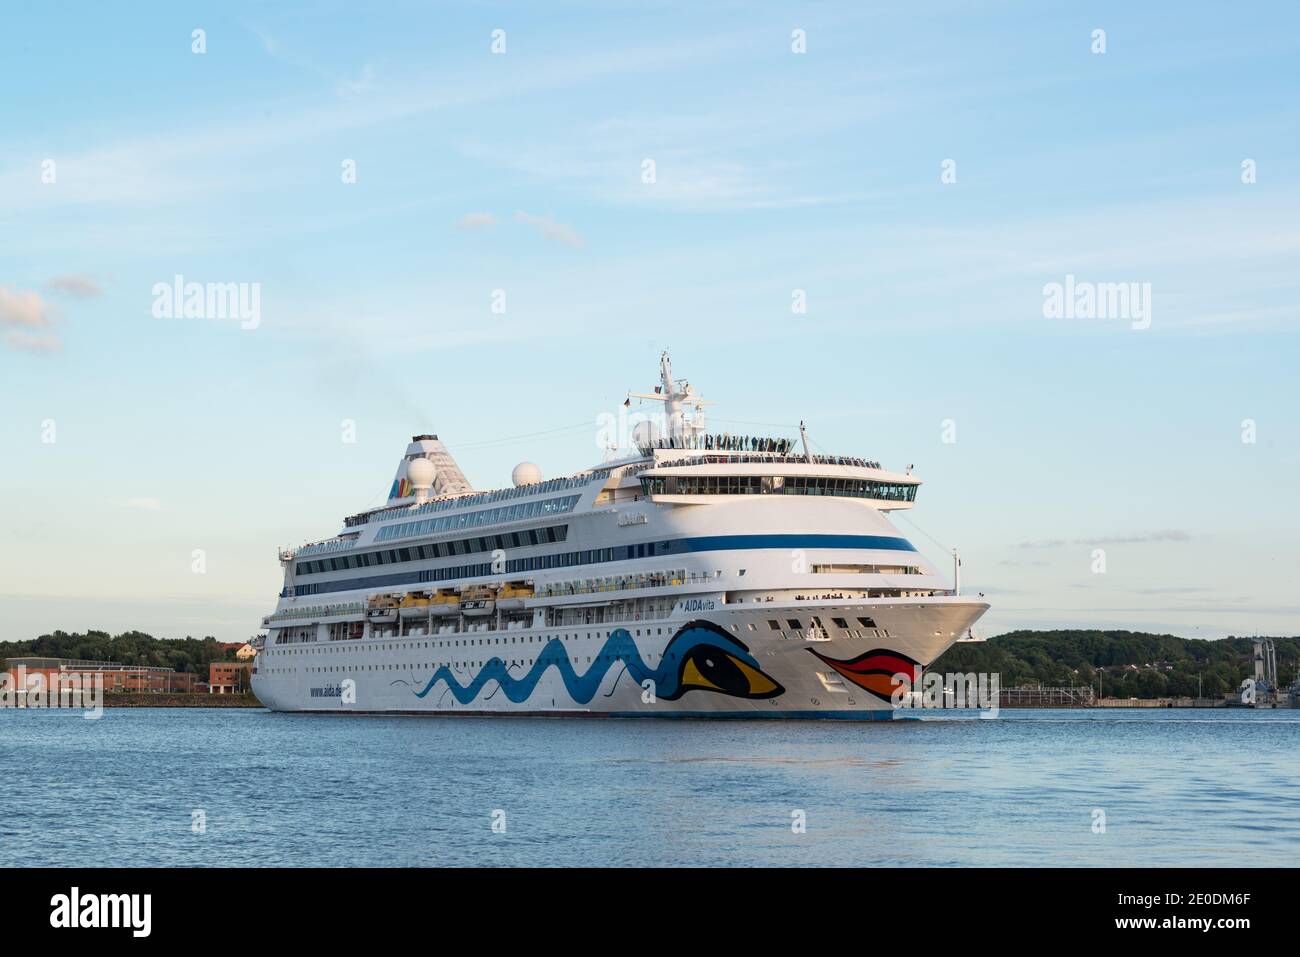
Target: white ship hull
{"points": [[711, 664]]}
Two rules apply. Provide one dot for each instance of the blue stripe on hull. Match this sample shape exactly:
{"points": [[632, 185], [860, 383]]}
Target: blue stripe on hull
{"points": [[714, 543], [665, 549]]}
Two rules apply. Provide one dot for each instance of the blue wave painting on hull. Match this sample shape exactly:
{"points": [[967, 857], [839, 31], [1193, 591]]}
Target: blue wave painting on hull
{"points": [[700, 657]]}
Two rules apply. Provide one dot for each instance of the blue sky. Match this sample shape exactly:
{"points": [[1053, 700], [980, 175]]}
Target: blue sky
{"points": [[775, 171]]}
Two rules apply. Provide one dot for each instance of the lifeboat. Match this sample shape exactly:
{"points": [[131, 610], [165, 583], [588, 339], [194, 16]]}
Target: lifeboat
{"points": [[383, 609], [477, 601], [513, 595], [414, 605], [445, 601]]}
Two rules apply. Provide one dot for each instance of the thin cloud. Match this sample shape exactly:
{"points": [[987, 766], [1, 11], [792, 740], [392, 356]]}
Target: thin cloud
{"points": [[360, 85], [550, 229], [40, 343], [477, 221], [1168, 535], [144, 504], [79, 285]]}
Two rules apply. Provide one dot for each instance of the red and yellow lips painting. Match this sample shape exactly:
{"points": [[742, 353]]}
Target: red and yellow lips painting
{"points": [[874, 670]]}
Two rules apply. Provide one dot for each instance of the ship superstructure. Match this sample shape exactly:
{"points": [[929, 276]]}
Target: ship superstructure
{"points": [[701, 574]]}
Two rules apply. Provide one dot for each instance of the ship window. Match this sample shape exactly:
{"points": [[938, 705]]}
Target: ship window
{"points": [[867, 622], [794, 623], [774, 624], [840, 623]]}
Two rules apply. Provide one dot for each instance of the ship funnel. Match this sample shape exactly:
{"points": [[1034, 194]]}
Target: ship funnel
{"points": [[427, 469]]}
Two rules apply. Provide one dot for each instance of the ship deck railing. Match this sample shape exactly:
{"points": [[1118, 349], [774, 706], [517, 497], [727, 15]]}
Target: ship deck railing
{"points": [[772, 458]]}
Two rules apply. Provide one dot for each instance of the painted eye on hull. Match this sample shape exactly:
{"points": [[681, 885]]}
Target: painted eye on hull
{"points": [[711, 660], [715, 670]]}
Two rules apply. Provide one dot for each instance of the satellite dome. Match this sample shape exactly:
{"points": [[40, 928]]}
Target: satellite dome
{"points": [[420, 473], [525, 473], [645, 433]]}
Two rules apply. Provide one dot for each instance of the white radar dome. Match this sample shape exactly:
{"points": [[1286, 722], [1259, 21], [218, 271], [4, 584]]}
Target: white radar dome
{"points": [[525, 473], [645, 433], [420, 473]]}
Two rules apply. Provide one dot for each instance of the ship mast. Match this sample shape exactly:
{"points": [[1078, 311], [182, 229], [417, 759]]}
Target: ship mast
{"points": [[667, 386], [677, 397]]}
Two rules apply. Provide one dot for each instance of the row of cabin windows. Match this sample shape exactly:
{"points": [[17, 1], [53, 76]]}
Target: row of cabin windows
{"points": [[795, 624], [415, 553], [777, 485], [792, 623], [480, 498], [454, 643], [488, 516], [477, 570]]}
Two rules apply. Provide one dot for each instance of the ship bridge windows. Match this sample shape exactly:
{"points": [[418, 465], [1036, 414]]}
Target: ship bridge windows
{"points": [[778, 485], [842, 568]]}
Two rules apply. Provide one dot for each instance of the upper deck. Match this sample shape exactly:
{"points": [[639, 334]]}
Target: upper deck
{"points": [[431, 503], [701, 478]]}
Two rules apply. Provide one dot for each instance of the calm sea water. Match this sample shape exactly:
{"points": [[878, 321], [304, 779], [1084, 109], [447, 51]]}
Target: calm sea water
{"points": [[1176, 787]]}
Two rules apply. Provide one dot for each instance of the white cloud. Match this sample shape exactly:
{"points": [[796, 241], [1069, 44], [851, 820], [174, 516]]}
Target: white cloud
{"points": [[80, 285], [477, 221], [30, 320], [144, 504], [24, 309], [550, 229]]}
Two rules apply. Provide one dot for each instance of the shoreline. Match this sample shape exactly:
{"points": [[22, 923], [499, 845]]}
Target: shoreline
{"points": [[178, 699]]}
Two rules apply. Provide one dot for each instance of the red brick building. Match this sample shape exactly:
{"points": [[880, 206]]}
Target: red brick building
{"points": [[228, 677], [116, 677]]}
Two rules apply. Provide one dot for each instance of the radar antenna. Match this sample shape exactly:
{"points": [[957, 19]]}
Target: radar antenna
{"points": [[678, 398]]}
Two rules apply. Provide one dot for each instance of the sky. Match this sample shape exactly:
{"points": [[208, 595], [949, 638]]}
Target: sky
{"points": [[492, 235]]}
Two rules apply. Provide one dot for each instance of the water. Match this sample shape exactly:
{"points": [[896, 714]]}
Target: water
{"points": [[1177, 787]]}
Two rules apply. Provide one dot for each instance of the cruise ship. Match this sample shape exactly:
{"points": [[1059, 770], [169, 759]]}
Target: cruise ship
{"points": [[698, 575]]}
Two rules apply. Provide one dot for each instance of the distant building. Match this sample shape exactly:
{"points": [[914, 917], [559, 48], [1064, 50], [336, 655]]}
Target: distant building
{"points": [[228, 677], [116, 676], [246, 653]]}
